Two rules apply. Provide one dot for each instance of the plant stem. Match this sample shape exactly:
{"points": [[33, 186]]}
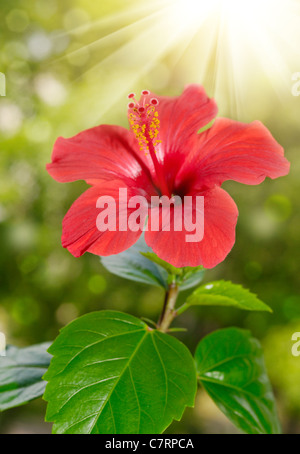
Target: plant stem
{"points": [[182, 308], [168, 312]]}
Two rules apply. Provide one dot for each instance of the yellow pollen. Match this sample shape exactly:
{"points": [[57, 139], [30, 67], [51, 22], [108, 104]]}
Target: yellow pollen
{"points": [[145, 124]]}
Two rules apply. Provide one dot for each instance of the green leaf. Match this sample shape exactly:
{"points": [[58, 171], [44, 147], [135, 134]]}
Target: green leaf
{"points": [[167, 266], [112, 374], [231, 368], [191, 277], [225, 293], [131, 265], [21, 372], [140, 264]]}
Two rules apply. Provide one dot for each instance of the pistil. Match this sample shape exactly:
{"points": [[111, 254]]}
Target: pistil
{"points": [[144, 122]]}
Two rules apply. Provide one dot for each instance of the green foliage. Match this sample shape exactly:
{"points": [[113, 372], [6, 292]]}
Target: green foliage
{"points": [[140, 264], [53, 287], [111, 373], [191, 277], [231, 368], [132, 265], [172, 270], [21, 372], [225, 293]]}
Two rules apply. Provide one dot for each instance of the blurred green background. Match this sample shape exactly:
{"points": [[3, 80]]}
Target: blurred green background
{"points": [[53, 89]]}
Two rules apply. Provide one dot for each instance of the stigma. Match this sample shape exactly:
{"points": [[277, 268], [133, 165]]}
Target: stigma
{"points": [[143, 120]]}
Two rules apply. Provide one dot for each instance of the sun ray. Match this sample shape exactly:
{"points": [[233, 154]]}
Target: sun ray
{"points": [[227, 44]]}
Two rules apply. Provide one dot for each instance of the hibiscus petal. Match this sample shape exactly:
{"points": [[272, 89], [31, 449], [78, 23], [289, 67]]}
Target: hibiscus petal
{"points": [[80, 225], [183, 116], [220, 217], [180, 119], [231, 150], [103, 152]]}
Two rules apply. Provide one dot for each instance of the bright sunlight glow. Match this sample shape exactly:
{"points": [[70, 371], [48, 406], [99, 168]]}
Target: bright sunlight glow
{"points": [[230, 46]]}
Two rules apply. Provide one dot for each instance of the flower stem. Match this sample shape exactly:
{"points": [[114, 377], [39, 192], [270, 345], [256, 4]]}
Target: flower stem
{"points": [[169, 312], [163, 187], [182, 308]]}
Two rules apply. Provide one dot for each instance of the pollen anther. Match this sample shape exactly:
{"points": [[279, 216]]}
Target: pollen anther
{"points": [[144, 122]]}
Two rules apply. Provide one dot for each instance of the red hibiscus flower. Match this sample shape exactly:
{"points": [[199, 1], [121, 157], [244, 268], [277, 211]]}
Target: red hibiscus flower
{"points": [[163, 154]]}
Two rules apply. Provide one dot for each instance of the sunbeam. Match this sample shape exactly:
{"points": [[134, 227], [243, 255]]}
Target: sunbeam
{"points": [[228, 45]]}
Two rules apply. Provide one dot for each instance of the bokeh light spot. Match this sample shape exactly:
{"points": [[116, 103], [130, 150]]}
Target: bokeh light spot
{"points": [[278, 207], [17, 20], [97, 284]]}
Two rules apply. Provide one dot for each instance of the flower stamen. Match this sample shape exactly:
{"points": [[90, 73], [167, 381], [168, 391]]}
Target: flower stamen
{"points": [[143, 119], [144, 123]]}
